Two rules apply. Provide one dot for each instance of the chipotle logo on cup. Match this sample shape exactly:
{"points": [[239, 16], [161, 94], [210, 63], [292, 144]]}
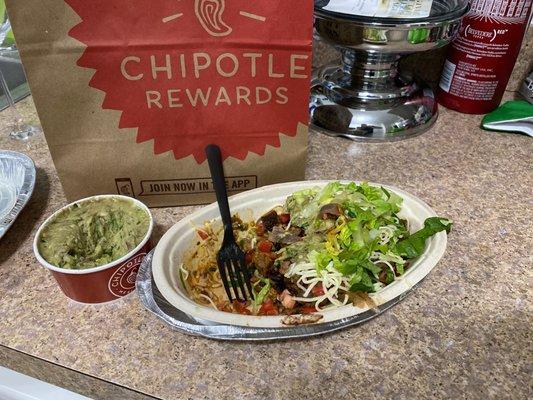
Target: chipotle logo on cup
{"points": [[122, 282], [106, 282]]}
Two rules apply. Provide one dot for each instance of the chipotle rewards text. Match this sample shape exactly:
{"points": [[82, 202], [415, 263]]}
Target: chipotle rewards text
{"points": [[185, 72]]}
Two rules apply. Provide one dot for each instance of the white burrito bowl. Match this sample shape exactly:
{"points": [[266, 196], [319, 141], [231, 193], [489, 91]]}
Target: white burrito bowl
{"points": [[253, 204]]}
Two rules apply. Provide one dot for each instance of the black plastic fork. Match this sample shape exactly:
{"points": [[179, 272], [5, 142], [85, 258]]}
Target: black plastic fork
{"points": [[230, 258]]}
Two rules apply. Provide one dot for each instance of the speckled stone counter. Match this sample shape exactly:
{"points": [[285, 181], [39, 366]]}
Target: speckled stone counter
{"points": [[465, 332]]}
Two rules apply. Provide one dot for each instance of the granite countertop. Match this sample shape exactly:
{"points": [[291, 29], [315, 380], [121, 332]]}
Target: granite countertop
{"points": [[465, 332]]}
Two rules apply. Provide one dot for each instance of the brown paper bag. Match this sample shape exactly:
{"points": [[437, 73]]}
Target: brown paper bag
{"points": [[130, 92]]}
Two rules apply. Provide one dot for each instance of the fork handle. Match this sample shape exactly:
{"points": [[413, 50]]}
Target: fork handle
{"points": [[214, 158]]}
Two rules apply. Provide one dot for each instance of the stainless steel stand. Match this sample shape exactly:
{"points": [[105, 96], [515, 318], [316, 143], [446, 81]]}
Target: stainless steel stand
{"points": [[366, 97]]}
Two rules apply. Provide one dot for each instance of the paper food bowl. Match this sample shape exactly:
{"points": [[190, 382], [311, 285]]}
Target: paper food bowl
{"points": [[178, 240], [104, 283]]}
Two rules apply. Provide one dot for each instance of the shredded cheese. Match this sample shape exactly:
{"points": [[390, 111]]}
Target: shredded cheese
{"points": [[288, 225], [184, 272], [386, 233], [209, 299], [331, 280], [388, 264]]}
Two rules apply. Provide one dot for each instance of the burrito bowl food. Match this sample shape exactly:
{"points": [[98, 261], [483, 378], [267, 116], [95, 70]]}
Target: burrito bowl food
{"points": [[325, 247]]}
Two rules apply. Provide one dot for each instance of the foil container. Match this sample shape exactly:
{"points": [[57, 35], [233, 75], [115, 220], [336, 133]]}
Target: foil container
{"points": [[17, 181], [154, 302]]}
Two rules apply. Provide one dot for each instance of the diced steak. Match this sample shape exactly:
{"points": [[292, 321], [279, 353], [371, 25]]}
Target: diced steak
{"points": [[282, 236], [262, 262], [270, 220], [296, 231], [330, 211]]}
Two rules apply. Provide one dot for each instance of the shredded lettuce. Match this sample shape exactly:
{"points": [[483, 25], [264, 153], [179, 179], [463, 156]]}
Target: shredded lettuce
{"points": [[361, 283], [260, 297], [414, 245], [302, 207], [368, 244]]}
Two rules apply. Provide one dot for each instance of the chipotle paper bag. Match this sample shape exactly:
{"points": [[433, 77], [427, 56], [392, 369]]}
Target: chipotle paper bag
{"points": [[130, 92]]}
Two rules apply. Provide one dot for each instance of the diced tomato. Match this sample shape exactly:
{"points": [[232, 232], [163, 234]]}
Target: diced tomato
{"points": [[240, 307], [318, 290], [203, 234], [268, 308], [307, 309], [249, 257], [284, 218], [265, 246], [260, 228]]}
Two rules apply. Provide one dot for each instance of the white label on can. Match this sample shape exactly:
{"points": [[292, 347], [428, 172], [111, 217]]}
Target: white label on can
{"points": [[382, 8], [447, 76]]}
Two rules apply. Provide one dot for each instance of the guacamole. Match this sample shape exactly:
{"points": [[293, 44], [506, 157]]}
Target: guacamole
{"points": [[93, 233]]}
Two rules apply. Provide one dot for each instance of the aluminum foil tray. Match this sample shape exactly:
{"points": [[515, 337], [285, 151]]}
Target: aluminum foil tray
{"points": [[17, 180], [154, 302]]}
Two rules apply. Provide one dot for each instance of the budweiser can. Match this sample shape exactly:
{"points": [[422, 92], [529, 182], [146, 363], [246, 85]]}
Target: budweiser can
{"points": [[480, 61]]}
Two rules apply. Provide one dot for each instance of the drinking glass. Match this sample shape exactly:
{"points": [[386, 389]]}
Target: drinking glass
{"points": [[14, 126]]}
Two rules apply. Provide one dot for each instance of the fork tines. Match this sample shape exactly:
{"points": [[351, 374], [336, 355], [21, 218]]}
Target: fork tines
{"points": [[234, 272]]}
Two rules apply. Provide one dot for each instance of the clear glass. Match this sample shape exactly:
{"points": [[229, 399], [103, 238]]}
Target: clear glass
{"points": [[5, 28], [14, 125]]}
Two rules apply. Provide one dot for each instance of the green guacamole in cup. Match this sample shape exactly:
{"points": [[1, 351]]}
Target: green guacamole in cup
{"points": [[93, 233]]}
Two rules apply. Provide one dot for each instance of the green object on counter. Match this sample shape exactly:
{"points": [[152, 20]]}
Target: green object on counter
{"points": [[512, 116]]}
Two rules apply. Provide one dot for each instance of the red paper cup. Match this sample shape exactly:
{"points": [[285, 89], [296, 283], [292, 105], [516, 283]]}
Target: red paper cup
{"points": [[104, 283]]}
